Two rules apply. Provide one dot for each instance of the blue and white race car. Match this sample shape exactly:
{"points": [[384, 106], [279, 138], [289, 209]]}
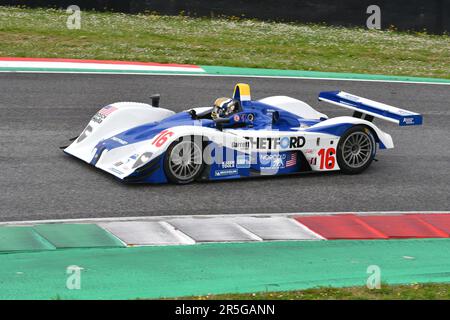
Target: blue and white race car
{"points": [[235, 138]]}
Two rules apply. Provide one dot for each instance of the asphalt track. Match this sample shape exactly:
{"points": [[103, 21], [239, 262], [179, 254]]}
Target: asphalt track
{"points": [[37, 181]]}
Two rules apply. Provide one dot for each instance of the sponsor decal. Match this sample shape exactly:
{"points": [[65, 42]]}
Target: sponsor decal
{"points": [[349, 97], [227, 164], [122, 142], [408, 120], [243, 161], [162, 138], [244, 117], [226, 172], [327, 158], [313, 161], [292, 161], [236, 118], [241, 145], [273, 160], [116, 171], [103, 113], [269, 170], [348, 104], [279, 161], [277, 142], [124, 164]]}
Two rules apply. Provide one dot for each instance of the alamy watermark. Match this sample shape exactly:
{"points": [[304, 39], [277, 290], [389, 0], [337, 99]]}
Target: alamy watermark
{"points": [[74, 18], [73, 281], [374, 279], [374, 20]]}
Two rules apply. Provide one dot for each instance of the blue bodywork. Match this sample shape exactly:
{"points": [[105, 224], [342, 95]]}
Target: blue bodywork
{"points": [[283, 154], [254, 115], [403, 117]]}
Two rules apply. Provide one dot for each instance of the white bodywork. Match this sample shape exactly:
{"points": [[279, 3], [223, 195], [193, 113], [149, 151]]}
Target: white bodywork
{"points": [[294, 106], [378, 105], [119, 161], [127, 115]]}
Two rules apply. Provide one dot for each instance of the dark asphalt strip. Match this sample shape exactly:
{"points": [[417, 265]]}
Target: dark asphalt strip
{"points": [[37, 181]]}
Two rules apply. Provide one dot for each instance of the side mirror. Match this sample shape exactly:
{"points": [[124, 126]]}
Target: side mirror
{"points": [[275, 115], [193, 114]]}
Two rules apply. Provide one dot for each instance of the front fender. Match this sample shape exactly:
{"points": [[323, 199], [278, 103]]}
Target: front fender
{"points": [[125, 160], [112, 120]]}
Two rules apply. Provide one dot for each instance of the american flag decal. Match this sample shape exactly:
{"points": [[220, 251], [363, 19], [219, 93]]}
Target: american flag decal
{"points": [[292, 161], [105, 111]]}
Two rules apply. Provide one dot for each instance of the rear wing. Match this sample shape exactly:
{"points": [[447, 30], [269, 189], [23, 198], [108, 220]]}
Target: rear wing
{"points": [[371, 108]]}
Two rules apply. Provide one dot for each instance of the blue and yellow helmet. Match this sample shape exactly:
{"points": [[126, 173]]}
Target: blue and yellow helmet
{"points": [[223, 107]]}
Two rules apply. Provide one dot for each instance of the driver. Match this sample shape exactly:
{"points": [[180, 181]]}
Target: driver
{"points": [[223, 108]]}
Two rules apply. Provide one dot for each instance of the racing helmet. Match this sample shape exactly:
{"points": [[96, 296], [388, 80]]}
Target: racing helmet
{"points": [[224, 107]]}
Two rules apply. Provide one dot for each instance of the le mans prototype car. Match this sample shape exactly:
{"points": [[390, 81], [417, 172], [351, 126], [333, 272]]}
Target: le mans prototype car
{"points": [[235, 138]]}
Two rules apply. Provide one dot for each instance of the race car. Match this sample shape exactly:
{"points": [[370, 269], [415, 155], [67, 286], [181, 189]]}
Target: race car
{"points": [[235, 137]]}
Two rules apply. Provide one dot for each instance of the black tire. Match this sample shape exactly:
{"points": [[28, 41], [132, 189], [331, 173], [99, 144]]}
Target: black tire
{"points": [[171, 160], [356, 150]]}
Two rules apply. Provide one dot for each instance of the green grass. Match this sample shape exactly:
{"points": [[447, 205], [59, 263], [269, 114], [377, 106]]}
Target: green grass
{"points": [[225, 42], [431, 291]]}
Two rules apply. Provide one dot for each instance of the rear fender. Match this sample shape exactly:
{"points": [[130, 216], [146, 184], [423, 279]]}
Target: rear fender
{"points": [[338, 125]]}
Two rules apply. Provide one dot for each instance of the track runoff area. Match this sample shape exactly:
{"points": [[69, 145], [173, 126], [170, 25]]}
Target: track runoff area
{"points": [[258, 252], [178, 256]]}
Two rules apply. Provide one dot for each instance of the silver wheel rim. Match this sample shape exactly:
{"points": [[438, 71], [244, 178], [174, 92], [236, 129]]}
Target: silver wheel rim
{"points": [[357, 149], [185, 160]]}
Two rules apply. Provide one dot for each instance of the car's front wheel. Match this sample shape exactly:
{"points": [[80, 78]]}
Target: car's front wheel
{"points": [[356, 150], [183, 161]]}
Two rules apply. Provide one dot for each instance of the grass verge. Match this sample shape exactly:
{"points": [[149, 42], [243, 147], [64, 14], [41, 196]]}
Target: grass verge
{"points": [[430, 291], [225, 42]]}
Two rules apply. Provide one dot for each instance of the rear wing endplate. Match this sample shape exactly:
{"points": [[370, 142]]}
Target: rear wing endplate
{"points": [[371, 108]]}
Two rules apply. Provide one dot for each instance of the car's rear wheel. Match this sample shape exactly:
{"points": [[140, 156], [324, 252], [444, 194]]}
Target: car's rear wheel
{"points": [[183, 161], [356, 150]]}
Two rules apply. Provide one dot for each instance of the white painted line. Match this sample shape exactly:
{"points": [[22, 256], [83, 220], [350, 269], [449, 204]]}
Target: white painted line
{"points": [[233, 76], [94, 66], [139, 233], [213, 230], [162, 218], [184, 238], [249, 233], [301, 225], [276, 228]]}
